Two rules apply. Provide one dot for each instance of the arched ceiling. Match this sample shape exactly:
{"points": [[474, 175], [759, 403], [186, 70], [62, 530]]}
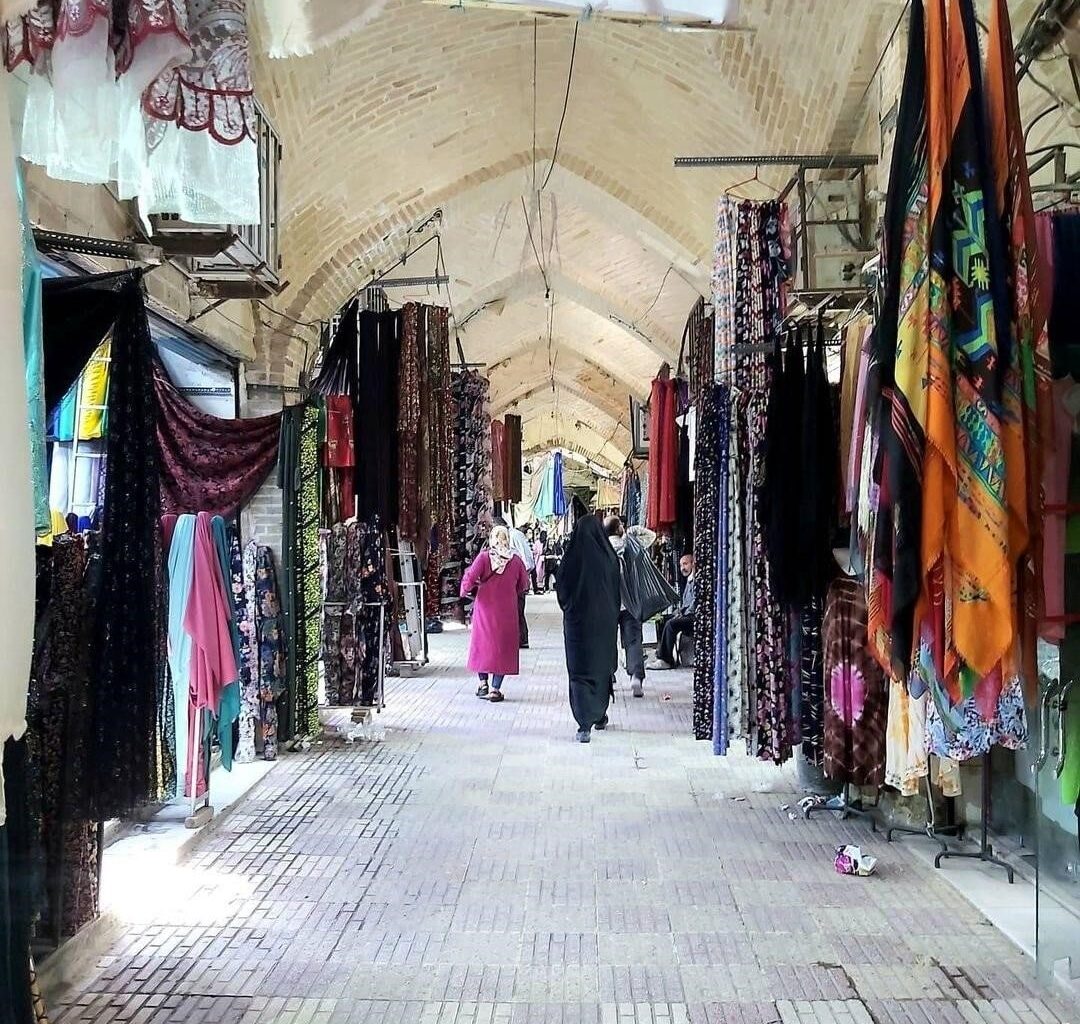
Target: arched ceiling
{"points": [[432, 108]]}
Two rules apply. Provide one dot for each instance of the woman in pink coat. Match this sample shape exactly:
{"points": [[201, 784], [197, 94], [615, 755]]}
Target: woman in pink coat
{"points": [[499, 577]]}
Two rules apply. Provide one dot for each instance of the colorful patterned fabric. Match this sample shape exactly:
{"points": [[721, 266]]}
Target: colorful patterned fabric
{"points": [[706, 516], [1027, 389], [298, 476], [856, 691], [903, 361], [242, 582], [983, 615]]}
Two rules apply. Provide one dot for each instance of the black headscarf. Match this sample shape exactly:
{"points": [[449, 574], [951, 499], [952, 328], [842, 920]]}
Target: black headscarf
{"points": [[590, 563], [588, 590]]}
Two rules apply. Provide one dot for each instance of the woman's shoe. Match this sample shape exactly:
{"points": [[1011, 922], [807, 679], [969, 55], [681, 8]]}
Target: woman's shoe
{"points": [[483, 691], [584, 736], [496, 696], [602, 724], [638, 688]]}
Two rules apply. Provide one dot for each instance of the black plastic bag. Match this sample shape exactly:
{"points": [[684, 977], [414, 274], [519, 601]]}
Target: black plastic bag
{"points": [[645, 592]]}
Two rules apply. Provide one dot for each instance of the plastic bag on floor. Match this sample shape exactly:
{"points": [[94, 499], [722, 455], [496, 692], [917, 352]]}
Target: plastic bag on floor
{"points": [[850, 860]]}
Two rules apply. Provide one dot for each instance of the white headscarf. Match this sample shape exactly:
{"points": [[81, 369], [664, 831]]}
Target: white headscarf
{"points": [[499, 550]]}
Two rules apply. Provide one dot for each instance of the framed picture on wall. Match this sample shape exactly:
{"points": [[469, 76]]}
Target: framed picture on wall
{"points": [[639, 428]]}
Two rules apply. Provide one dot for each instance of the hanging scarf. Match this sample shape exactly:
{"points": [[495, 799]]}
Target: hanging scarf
{"points": [[903, 357], [209, 464], [983, 619], [1028, 398], [130, 610]]}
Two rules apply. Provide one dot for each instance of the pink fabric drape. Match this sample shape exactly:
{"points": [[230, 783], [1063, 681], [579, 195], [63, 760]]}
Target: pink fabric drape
{"points": [[213, 659]]}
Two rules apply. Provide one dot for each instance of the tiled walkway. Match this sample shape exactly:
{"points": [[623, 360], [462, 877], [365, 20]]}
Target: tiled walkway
{"points": [[478, 866]]}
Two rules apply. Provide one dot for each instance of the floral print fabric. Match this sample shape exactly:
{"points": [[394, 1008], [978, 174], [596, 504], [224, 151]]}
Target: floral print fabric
{"points": [[741, 663], [356, 590], [263, 666]]}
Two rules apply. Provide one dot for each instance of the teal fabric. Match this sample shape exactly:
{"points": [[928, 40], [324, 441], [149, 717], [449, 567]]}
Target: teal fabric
{"points": [[181, 565], [229, 708], [62, 421], [35, 366]]}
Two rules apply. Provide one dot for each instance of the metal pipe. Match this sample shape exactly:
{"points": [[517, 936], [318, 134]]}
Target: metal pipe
{"points": [[106, 248], [809, 161], [436, 280]]}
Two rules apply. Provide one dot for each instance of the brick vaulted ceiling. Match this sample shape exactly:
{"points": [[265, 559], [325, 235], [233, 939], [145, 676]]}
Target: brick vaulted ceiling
{"points": [[430, 107]]}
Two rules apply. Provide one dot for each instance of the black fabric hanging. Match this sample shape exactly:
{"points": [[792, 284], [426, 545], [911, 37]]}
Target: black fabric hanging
{"points": [[77, 313], [1065, 312], [818, 490], [19, 888], [782, 487], [130, 617], [363, 362]]}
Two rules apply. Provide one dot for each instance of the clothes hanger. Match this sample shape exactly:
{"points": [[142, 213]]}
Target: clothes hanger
{"points": [[859, 307], [756, 177]]}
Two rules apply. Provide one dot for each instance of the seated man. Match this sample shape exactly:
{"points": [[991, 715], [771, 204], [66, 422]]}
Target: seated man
{"points": [[671, 626]]}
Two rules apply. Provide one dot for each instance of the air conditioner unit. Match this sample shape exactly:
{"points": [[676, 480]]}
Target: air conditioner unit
{"points": [[832, 234], [234, 261]]}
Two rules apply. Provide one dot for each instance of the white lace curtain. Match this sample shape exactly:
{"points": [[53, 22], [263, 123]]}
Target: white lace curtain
{"points": [[164, 109]]}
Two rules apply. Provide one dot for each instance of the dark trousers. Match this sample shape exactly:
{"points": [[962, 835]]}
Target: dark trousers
{"points": [[630, 633], [523, 624], [669, 634]]}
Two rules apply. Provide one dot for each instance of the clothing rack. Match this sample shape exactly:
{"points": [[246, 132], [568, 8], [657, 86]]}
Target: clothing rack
{"points": [[844, 806], [985, 852], [931, 830], [381, 676], [285, 389], [102, 248], [206, 392], [202, 812]]}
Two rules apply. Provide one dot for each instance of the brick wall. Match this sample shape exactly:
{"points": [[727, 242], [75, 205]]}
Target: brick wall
{"points": [[261, 520]]}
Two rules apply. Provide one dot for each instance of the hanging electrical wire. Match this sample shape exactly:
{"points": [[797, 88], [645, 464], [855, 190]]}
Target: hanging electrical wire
{"points": [[566, 103], [536, 253]]}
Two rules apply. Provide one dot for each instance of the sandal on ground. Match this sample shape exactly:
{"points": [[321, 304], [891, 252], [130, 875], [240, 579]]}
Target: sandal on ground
{"points": [[584, 736], [602, 724], [496, 696], [483, 691], [638, 688]]}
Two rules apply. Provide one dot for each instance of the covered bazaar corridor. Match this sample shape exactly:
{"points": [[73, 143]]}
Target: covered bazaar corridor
{"points": [[477, 866]]}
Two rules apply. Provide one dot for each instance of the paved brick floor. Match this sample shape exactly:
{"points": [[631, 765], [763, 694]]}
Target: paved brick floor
{"points": [[477, 866]]}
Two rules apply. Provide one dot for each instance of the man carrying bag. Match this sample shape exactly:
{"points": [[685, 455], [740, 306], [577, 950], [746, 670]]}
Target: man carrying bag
{"points": [[645, 593]]}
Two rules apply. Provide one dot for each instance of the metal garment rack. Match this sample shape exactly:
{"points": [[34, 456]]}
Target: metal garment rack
{"points": [[985, 852], [380, 679], [202, 811], [854, 163], [844, 806], [931, 830]]}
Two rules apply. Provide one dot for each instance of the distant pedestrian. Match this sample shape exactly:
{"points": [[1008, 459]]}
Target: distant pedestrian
{"points": [[499, 577], [588, 590], [540, 572], [630, 629]]}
